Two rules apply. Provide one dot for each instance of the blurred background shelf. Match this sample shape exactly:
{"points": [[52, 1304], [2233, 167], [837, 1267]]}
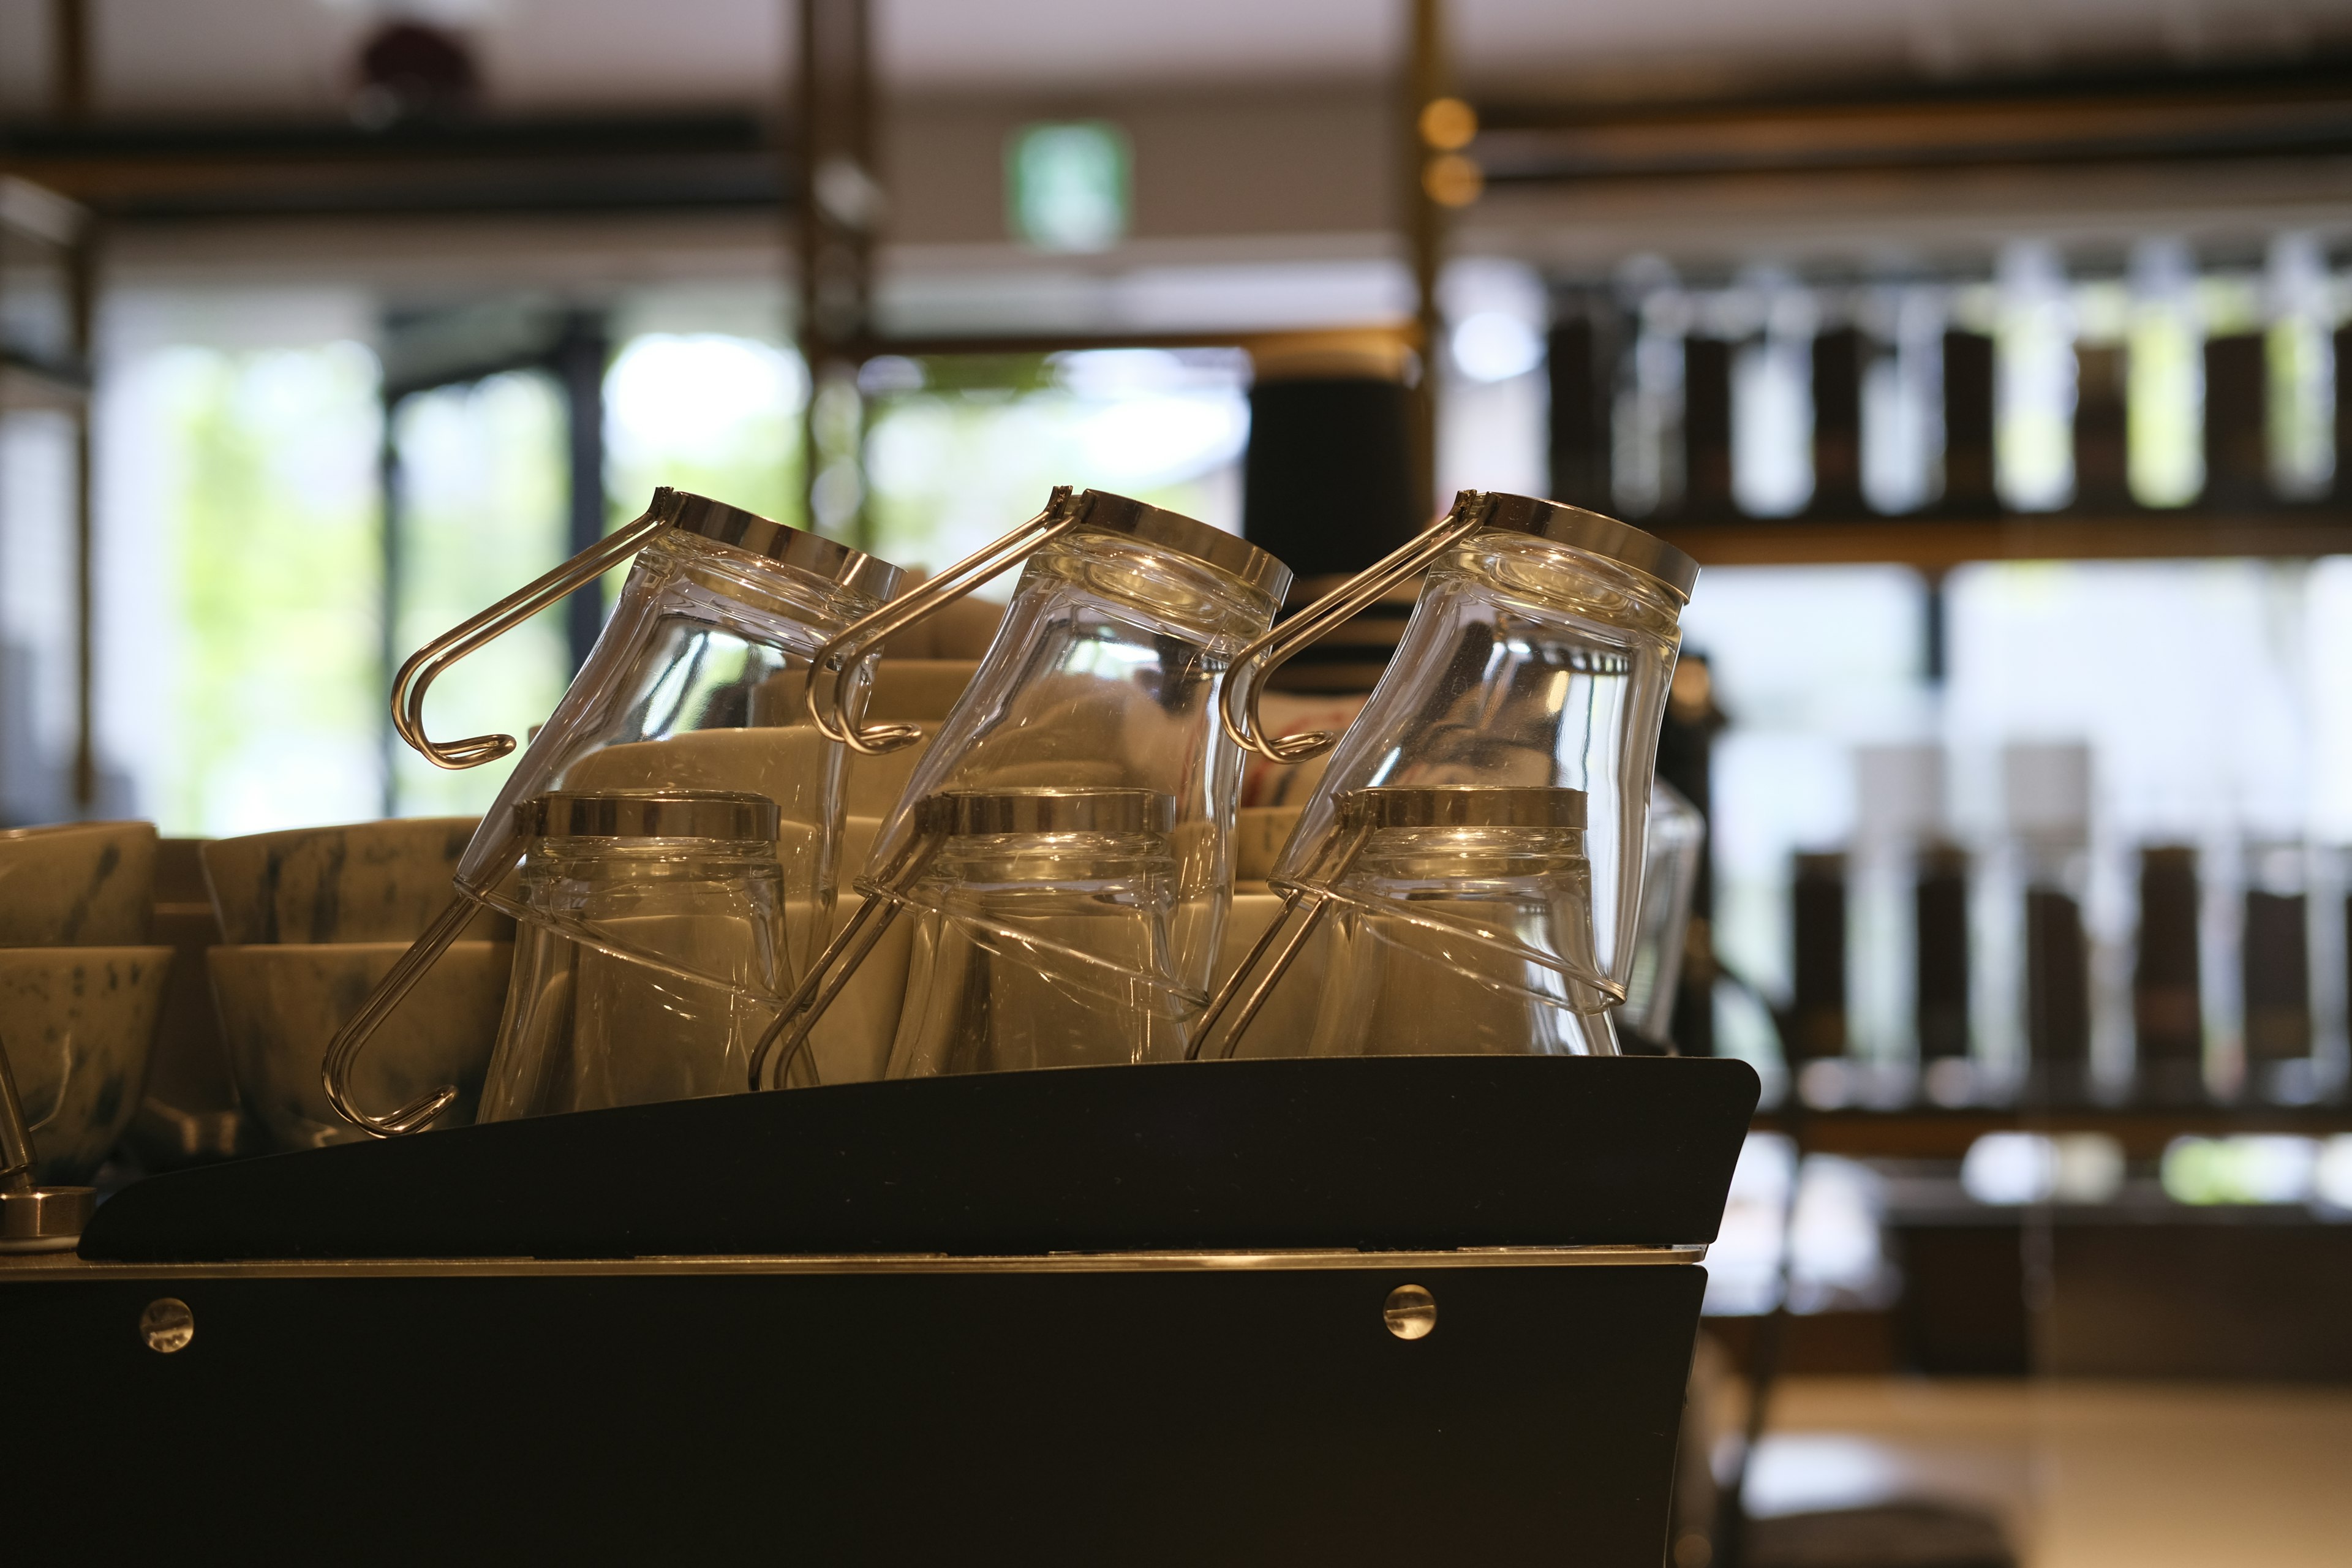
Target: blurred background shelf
{"points": [[1936, 544], [1939, 1134]]}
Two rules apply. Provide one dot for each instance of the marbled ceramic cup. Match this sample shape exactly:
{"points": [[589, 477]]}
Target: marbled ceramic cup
{"points": [[281, 1004], [367, 881], [78, 884], [78, 1024]]}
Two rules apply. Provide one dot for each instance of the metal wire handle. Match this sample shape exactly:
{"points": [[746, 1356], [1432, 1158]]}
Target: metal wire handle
{"points": [[1339, 854], [1246, 681], [826, 702], [838, 963], [343, 1050], [427, 664]]}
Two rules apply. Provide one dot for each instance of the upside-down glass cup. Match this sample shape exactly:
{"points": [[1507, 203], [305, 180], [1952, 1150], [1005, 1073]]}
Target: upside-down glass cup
{"points": [[1420, 865], [1538, 657], [690, 873], [1100, 689], [1043, 933], [1677, 835], [693, 685]]}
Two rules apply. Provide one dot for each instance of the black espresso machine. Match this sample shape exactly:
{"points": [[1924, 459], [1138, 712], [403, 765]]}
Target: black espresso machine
{"points": [[1432, 1309]]}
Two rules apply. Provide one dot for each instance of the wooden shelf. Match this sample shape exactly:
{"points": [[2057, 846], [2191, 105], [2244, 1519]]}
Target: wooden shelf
{"points": [[1928, 1133], [1936, 544]]}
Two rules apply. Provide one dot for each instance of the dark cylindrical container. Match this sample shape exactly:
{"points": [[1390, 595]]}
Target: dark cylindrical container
{"points": [[1328, 483], [1327, 487], [1585, 347], [1839, 356], [1706, 427], [1941, 936], [1817, 930], [2277, 962], [2102, 424], [2057, 991], [1968, 424], [2237, 421], [2167, 1018]]}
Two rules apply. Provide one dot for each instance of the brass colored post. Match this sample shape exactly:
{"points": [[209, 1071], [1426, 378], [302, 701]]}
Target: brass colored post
{"points": [[838, 193]]}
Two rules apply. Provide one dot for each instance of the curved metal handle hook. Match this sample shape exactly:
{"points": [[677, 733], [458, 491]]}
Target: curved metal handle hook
{"points": [[1245, 679], [343, 1050], [837, 965], [428, 663], [828, 702]]}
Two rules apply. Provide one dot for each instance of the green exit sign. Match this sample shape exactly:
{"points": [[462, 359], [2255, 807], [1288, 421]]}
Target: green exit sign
{"points": [[1068, 186]]}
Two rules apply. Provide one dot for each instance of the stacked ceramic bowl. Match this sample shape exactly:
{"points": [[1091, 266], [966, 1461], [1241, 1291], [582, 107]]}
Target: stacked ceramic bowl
{"points": [[80, 990], [311, 919]]}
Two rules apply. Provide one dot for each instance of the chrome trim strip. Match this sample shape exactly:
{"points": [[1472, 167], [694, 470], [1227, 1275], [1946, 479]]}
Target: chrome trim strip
{"points": [[66, 1266]]}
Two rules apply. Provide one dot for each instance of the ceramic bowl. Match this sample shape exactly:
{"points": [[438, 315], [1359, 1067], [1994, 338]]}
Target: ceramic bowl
{"points": [[80, 1025], [368, 881], [78, 884], [281, 1005]]}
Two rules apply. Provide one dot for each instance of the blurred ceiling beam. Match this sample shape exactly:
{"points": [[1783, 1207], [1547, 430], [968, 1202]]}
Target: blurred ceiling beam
{"points": [[1428, 80], [834, 231], [2301, 110], [1232, 164], [162, 171]]}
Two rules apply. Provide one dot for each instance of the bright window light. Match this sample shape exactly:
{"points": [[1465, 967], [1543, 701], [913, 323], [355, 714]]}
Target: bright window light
{"points": [[1494, 345], [2253, 1168], [485, 509], [2009, 1169], [259, 650], [952, 466], [1837, 1258], [708, 412], [2331, 1176], [2165, 400]]}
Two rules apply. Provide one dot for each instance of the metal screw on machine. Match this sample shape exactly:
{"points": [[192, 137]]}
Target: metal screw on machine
{"points": [[1410, 1312], [32, 1219], [167, 1325]]}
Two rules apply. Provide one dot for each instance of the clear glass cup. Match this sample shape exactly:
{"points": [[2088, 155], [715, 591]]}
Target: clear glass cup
{"points": [[1504, 868], [694, 685], [1104, 675], [1670, 856], [691, 875], [1539, 656], [1044, 934]]}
